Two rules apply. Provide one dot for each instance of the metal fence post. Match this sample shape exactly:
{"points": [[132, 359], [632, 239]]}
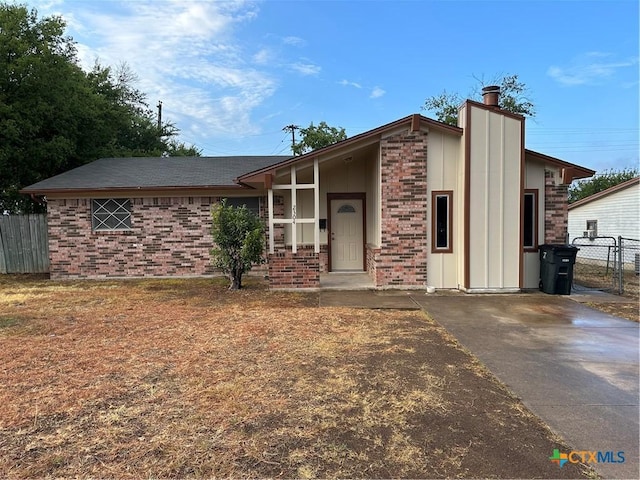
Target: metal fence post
{"points": [[620, 265]]}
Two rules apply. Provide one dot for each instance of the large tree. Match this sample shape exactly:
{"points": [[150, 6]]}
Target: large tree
{"points": [[513, 98], [54, 116], [314, 137], [609, 178]]}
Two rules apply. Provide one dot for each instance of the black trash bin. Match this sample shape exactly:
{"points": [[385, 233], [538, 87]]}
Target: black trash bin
{"points": [[556, 268]]}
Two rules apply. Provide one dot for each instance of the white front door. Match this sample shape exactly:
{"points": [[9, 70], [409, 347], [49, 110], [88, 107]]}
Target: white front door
{"points": [[346, 235]]}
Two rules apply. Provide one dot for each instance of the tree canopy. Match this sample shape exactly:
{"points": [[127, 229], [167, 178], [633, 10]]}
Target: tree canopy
{"points": [[314, 137], [609, 178], [513, 98], [54, 116]]}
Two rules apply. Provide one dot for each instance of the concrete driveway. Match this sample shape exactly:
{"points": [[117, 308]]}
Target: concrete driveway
{"points": [[574, 367]]}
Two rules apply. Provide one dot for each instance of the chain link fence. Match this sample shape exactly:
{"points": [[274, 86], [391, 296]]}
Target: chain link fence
{"points": [[607, 263], [629, 263]]}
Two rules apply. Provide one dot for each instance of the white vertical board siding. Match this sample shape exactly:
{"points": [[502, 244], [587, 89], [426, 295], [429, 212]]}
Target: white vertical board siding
{"points": [[494, 200], [534, 179], [460, 198], [443, 166]]}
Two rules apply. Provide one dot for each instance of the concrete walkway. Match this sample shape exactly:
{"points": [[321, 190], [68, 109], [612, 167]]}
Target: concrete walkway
{"points": [[574, 367]]}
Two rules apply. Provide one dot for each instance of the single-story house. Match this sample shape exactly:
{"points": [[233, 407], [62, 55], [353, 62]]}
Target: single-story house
{"points": [[610, 213], [415, 202]]}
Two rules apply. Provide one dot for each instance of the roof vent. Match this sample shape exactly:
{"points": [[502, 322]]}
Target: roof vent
{"points": [[491, 96]]}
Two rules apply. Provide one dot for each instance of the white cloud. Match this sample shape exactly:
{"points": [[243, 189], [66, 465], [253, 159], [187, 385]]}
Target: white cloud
{"points": [[590, 68], [263, 56], [377, 92], [347, 83], [184, 53], [306, 68], [294, 41]]}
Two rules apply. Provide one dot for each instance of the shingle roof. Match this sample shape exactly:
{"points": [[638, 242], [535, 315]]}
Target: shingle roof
{"points": [[154, 172]]}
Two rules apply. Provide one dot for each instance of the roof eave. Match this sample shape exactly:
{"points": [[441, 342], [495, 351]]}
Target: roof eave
{"points": [[58, 191], [413, 121], [571, 171]]}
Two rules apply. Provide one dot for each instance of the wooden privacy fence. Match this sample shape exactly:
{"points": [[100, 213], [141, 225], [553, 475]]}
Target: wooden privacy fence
{"points": [[24, 244]]}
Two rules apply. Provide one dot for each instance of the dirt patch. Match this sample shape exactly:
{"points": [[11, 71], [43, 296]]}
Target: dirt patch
{"points": [[622, 310], [184, 379]]}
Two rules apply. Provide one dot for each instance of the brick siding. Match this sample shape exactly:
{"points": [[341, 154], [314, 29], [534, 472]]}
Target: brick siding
{"points": [[169, 236], [556, 213], [372, 254], [402, 258], [299, 270]]}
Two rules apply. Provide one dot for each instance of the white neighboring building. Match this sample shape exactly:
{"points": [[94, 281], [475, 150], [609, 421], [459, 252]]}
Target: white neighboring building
{"points": [[611, 213]]}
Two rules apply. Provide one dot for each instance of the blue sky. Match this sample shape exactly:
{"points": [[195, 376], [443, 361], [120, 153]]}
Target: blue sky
{"points": [[232, 74]]}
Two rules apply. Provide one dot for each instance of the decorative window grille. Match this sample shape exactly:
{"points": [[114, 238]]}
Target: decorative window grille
{"points": [[111, 214]]}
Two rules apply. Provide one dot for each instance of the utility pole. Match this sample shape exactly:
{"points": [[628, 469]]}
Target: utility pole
{"points": [[292, 128], [160, 116]]}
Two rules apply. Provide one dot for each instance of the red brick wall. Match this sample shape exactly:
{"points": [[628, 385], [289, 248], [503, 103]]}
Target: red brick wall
{"points": [[170, 236], [555, 210], [372, 254], [324, 258], [402, 258], [299, 270]]}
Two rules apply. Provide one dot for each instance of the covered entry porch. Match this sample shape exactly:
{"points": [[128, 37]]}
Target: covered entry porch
{"points": [[323, 217]]}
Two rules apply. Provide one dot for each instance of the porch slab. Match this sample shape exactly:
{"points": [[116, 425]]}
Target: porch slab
{"points": [[346, 281], [370, 299]]}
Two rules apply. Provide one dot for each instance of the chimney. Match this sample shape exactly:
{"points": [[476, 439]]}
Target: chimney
{"points": [[491, 96]]}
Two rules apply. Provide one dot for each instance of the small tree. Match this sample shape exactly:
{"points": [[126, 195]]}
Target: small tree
{"points": [[609, 178], [317, 137], [238, 235]]}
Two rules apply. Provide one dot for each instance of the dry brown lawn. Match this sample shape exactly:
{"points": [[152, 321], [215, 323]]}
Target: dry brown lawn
{"points": [[181, 378]]}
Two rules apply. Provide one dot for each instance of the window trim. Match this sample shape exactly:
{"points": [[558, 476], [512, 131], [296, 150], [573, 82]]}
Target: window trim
{"points": [[448, 194], [98, 225], [535, 230]]}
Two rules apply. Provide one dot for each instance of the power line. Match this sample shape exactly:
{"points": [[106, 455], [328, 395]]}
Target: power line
{"points": [[278, 146]]}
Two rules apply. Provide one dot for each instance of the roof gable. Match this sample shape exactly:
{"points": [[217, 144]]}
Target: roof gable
{"points": [[414, 122]]}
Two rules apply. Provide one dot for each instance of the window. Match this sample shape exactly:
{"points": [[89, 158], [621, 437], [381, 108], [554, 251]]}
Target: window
{"points": [[441, 222], [530, 221], [252, 203], [347, 208], [111, 214], [592, 228]]}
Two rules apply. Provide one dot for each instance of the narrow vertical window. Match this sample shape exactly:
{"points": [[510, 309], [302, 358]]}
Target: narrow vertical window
{"points": [[441, 222], [530, 221]]}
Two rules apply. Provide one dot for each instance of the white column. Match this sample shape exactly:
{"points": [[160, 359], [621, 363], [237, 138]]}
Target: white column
{"points": [[294, 212], [271, 224], [316, 206]]}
